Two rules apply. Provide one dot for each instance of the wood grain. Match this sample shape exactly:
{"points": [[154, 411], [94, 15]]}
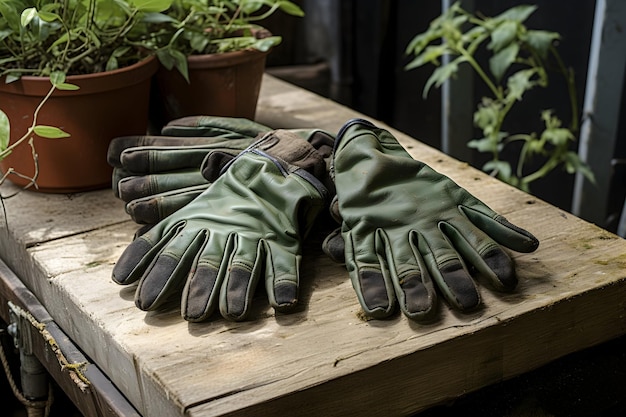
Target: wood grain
{"points": [[323, 359]]}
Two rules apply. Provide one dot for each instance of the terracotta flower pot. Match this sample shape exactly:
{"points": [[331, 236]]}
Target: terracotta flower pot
{"points": [[107, 105], [225, 84]]}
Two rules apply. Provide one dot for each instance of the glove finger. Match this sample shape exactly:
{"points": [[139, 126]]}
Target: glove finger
{"points": [[201, 293], [156, 159], [154, 208], [369, 276], [140, 186], [214, 126], [482, 252], [116, 177], [502, 231], [447, 270], [118, 145], [282, 276], [241, 278], [414, 288], [334, 246], [140, 253], [213, 164], [334, 210], [166, 275]]}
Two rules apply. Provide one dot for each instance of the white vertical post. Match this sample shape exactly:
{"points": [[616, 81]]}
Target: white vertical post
{"points": [[601, 108], [457, 105]]}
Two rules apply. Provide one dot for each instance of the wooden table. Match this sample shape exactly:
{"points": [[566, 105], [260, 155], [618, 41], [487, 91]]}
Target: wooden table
{"points": [[323, 359]]}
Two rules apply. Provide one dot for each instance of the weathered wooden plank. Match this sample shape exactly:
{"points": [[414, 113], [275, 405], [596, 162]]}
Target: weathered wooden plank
{"points": [[55, 350], [323, 358]]}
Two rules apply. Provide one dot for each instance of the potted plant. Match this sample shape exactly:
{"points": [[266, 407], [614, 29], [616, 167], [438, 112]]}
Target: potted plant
{"points": [[519, 60], [103, 48], [213, 56]]}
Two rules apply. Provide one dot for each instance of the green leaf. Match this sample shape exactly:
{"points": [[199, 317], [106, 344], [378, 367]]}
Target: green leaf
{"points": [[534, 147], [50, 132], [57, 79], [198, 42], [517, 13], [67, 87], [483, 145], [443, 73], [557, 136], [421, 41], [111, 64], [266, 44], [502, 60], [12, 78], [541, 40], [250, 6], [5, 33], [430, 54], [486, 116], [476, 41], [501, 168], [291, 8], [5, 130], [172, 58], [519, 83], [503, 35], [573, 164], [27, 16], [151, 5], [158, 18], [48, 17], [10, 14]]}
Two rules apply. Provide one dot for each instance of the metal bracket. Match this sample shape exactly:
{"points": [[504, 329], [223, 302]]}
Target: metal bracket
{"points": [[34, 377]]}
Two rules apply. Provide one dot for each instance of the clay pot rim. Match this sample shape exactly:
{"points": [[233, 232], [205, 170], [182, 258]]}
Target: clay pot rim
{"points": [[224, 59], [30, 85]]}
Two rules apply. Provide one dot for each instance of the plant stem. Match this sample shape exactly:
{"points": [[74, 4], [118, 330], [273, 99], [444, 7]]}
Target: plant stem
{"points": [[480, 72], [30, 130], [541, 172]]}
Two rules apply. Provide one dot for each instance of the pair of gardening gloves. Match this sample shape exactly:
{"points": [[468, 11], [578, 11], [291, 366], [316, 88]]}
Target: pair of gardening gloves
{"points": [[228, 202]]}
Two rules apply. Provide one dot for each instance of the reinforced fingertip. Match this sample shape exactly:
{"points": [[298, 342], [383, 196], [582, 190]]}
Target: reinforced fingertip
{"points": [[503, 268], [419, 297], [234, 304], [131, 188], [374, 296], [459, 289], [157, 284], [130, 258], [285, 295], [198, 301], [334, 247], [528, 242], [144, 211]]}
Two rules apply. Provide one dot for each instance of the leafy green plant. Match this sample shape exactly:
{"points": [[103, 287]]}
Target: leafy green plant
{"points": [[520, 59], [57, 82], [192, 27], [39, 37]]}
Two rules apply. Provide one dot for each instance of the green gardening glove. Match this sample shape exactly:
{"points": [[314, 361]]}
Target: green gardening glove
{"points": [[247, 226], [409, 230], [156, 175]]}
